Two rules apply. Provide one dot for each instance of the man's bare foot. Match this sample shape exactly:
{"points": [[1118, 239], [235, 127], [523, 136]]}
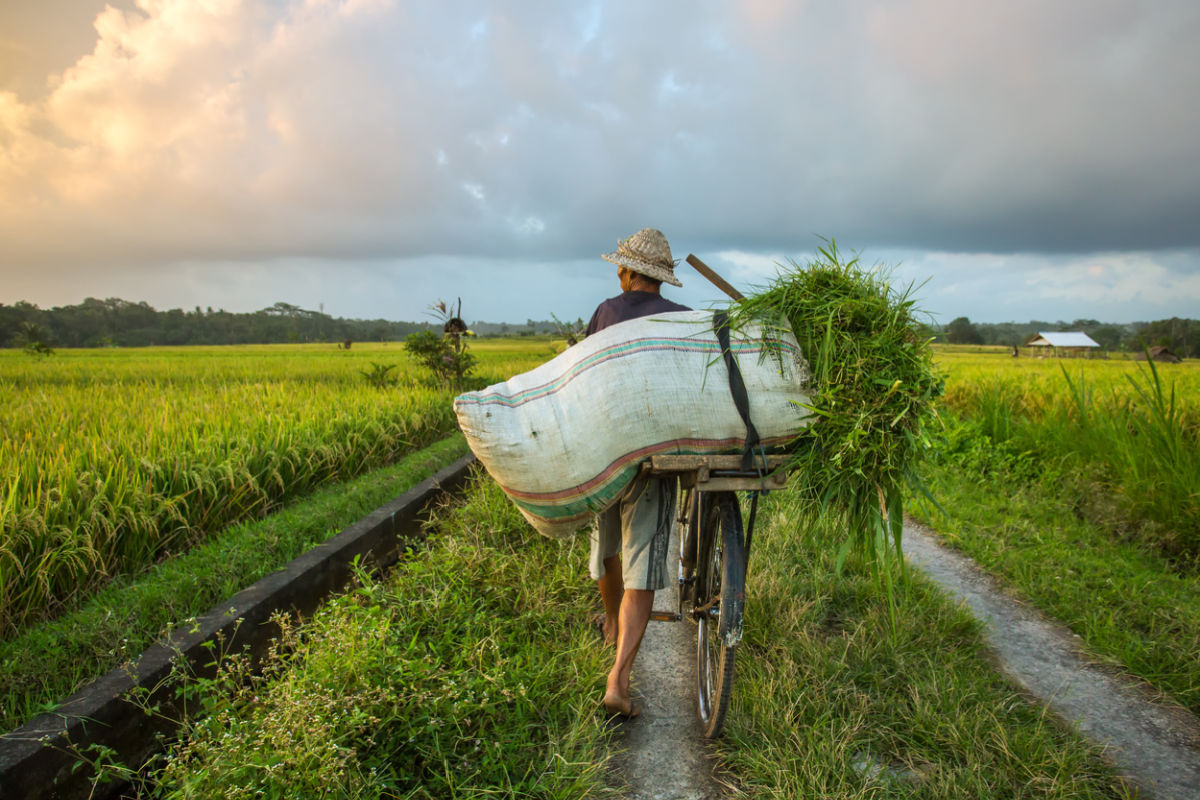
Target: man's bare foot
{"points": [[616, 705]]}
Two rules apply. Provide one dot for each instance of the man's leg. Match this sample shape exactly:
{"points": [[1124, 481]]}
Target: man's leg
{"points": [[646, 516], [606, 568], [635, 614], [611, 589]]}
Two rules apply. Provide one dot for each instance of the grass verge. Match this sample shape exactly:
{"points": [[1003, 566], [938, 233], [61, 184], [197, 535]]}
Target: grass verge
{"points": [[45, 664], [1056, 536], [833, 701], [468, 671]]}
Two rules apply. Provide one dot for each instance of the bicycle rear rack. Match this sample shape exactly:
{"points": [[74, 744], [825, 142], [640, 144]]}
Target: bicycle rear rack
{"points": [[718, 473]]}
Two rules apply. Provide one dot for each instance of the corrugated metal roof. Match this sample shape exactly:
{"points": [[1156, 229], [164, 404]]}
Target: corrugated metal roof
{"points": [[1062, 339]]}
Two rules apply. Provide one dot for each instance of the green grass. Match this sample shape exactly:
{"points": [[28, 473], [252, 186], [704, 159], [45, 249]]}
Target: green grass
{"points": [[871, 394], [1055, 532], [469, 671], [46, 663], [832, 701]]}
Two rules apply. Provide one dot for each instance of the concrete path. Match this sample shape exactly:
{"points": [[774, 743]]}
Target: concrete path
{"points": [[1155, 747], [664, 755]]}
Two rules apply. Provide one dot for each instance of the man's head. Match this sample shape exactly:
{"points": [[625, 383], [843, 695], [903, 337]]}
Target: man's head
{"points": [[644, 260]]}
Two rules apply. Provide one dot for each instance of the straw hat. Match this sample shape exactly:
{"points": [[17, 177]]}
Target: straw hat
{"points": [[646, 252]]}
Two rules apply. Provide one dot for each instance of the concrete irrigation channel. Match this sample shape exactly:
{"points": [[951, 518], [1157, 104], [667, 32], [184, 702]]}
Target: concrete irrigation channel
{"points": [[37, 760]]}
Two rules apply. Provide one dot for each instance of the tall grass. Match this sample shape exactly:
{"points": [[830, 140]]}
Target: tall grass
{"points": [[1132, 430], [112, 459], [872, 390]]}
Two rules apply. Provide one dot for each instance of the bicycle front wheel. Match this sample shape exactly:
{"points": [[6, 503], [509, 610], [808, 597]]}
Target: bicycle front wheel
{"points": [[720, 604]]}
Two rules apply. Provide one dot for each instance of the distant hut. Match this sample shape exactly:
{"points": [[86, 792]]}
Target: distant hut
{"points": [[1068, 343], [1160, 354]]}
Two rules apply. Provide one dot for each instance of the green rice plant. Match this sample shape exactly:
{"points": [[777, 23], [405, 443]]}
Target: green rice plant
{"points": [[873, 391], [44, 664], [1130, 430], [113, 459], [1152, 452]]}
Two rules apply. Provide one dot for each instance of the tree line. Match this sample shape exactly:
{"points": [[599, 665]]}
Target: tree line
{"points": [[1182, 336], [120, 323]]}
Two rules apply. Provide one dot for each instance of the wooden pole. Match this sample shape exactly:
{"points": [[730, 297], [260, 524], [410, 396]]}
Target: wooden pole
{"points": [[716, 279]]}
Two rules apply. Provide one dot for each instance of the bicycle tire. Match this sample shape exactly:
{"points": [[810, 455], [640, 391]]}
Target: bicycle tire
{"points": [[720, 602]]}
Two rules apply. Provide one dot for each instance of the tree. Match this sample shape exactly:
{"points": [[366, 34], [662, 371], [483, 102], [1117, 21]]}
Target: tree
{"points": [[1107, 336], [32, 338], [961, 331], [446, 355]]}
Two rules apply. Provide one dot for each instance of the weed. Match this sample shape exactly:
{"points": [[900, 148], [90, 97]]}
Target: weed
{"points": [[467, 672], [380, 375]]}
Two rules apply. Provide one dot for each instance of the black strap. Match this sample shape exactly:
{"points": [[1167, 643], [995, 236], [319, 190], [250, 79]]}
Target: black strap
{"points": [[737, 387]]}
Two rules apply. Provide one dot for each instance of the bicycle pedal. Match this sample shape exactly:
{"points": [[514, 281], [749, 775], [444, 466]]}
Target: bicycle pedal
{"points": [[664, 616]]}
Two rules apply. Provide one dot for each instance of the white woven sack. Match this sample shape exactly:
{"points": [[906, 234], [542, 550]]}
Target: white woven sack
{"points": [[565, 439]]}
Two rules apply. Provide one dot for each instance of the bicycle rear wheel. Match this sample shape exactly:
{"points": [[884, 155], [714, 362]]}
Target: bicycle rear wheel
{"points": [[720, 602]]}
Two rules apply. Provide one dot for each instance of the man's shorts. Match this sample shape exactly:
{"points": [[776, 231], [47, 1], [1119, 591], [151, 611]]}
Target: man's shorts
{"points": [[638, 526]]}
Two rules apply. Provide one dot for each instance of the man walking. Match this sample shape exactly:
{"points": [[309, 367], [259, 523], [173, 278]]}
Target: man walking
{"points": [[629, 545]]}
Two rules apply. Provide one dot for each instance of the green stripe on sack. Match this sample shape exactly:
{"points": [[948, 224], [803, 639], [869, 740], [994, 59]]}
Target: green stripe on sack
{"points": [[592, 502]]}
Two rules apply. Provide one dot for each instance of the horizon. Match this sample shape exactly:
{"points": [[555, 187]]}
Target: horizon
{"points": [[191, 308]]}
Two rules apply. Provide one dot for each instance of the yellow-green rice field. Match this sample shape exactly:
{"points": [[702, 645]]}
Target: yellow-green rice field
{"points": [[1133, 426], [111, 459]]}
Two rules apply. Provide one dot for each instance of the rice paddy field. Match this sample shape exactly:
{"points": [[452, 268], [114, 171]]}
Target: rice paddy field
{"points": [[1133, 427], [111, 460], [1074, 481]]}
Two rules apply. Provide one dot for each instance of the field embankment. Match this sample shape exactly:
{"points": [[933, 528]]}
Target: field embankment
{"points": [[471, 670]]}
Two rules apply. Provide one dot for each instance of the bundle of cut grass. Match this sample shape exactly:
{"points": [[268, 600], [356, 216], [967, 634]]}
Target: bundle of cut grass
{"points": [[873, 389]]}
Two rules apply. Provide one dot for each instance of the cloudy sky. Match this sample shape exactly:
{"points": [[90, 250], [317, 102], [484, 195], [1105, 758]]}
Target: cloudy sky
{"points": [[1018, 160]]}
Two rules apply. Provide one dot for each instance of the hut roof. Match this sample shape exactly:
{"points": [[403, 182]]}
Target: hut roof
{"points": [[1062, 339], [1159, 353]]}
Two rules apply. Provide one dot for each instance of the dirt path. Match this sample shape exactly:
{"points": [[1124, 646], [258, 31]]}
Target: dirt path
{"points": [[1155, 747]]}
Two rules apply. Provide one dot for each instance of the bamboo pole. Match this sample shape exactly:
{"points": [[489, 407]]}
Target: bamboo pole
{"points": [[716, 279]]}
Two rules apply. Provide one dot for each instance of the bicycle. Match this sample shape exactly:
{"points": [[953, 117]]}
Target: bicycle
{"points": [[713, 557]]}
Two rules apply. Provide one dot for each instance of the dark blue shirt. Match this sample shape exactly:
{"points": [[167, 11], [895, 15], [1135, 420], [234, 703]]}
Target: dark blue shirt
{"points": [[630, 305]]}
